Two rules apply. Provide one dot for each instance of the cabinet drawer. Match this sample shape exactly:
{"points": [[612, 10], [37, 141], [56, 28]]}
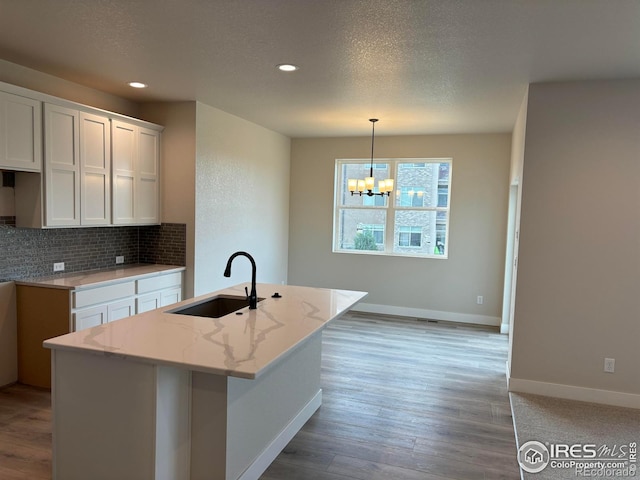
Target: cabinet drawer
{"points": [[160, 282], [109, 293]]}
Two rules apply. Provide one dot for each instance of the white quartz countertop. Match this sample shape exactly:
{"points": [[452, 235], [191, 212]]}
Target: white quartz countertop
{"points": [[80, 280], [233, 345]]}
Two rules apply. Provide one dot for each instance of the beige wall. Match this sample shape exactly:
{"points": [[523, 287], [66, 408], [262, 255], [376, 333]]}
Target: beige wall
{"points": [[578, 284], [479, 191], [44, 83], [242, 200], [178, 170]]}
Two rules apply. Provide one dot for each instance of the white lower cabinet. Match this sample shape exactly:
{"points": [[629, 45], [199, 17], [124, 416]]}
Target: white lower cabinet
{"points": [[95, 306], [159, 292], [163, 298], [122, 309], [170, 296], [90, 305], [148, 302], [89, 317]]}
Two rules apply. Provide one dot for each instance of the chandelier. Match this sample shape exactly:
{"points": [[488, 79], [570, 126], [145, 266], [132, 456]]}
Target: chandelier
{"points": [[385, 187]]}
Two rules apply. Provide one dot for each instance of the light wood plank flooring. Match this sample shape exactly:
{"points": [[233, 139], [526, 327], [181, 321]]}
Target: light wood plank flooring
{"points": [[402, 399]]}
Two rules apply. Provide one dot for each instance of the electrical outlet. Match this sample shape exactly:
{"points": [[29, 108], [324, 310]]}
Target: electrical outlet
{"points": [[58, 267], [610, 365], [119, 259], [480, 300]]}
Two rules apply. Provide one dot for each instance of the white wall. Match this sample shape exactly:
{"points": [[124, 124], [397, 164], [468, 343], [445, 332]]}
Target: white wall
{"points": [[513, 223], [242, 200], [578, 284], [445, 289]]}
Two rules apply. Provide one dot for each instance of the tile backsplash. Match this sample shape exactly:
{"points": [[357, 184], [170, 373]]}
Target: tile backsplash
{"points": [[26, 252]]}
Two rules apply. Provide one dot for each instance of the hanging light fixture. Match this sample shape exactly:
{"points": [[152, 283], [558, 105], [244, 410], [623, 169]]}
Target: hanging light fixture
{"points": [[385, 187]]}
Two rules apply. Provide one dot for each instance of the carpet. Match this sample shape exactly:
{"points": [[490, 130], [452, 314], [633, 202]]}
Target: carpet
{"points": [[581, 439]]}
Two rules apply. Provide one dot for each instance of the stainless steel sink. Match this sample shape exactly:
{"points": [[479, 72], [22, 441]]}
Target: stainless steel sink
{"points": [[215, 307]]}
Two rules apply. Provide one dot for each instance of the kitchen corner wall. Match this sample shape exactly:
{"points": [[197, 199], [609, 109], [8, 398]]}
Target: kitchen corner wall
{"points": [[242, 199], [32, 252], [227, 179]]}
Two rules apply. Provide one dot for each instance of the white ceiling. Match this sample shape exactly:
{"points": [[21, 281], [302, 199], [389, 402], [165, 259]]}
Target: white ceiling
{"points": [[421, 66]]}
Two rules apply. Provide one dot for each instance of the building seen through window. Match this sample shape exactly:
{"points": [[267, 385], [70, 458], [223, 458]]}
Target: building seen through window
{"points": [[413, 221]]}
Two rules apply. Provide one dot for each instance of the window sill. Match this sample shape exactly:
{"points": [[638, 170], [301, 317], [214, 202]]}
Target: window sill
{"points": [[385, 254]]}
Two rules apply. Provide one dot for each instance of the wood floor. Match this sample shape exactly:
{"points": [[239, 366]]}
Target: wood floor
{"points": [[402, 400]]}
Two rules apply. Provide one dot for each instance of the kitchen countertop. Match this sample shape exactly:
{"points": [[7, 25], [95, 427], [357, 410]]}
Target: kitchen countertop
{"points": [[233, 345], [91, 278]]}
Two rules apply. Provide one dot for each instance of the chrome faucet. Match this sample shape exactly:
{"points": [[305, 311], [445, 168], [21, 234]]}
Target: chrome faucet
{"points": [[253, 296]]}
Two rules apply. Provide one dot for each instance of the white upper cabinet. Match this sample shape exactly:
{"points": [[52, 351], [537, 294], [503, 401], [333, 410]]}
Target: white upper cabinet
{"points": [[125, 147], [20, 133], [77, 159], [148, 162], [136, 155], [62, 166], [90, 167], [95, 170]]}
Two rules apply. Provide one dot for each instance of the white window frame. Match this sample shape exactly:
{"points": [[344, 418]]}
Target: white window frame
{"points": [[390, 207]]}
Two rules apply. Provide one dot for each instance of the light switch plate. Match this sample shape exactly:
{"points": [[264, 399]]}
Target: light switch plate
{"points": [[58, 267], [119, 259]]}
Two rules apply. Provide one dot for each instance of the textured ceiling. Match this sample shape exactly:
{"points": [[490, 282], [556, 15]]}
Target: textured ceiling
{"points": [[421, 66]]}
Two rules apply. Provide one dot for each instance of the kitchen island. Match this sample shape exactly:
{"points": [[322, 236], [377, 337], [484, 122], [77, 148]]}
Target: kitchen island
{"points": [[163, 395]]}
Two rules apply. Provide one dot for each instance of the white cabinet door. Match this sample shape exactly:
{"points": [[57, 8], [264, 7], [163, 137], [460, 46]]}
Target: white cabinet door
{"points": [[121, 309], [148, 163], [124, 153], [95, 169], [148, 302], [170, 296], [136, 157], [89, 317], [20, 133], [62, 166]]}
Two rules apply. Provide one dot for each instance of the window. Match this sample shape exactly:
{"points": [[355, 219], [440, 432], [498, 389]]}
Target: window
{"points": [[411, 196], [410, 236], [413, 221]]}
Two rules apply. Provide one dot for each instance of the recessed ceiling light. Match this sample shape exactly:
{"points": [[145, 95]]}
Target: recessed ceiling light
{"points": [[287, 67], [137, 85]]}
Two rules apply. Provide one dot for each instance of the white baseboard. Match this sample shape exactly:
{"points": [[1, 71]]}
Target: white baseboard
{"points": [[507, 372], [504, 328], [428, 314], [571, 392], [270, 453]]}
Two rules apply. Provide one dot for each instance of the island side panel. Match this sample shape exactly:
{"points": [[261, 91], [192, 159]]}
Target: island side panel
{"points": [[173, 423], [103, 417], [264, 414], [208, 426]]}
